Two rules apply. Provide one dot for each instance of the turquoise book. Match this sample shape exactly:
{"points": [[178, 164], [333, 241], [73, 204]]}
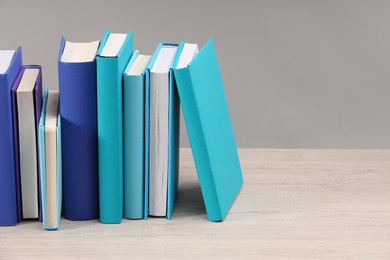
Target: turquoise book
{"points": [[50, 160], [134, 80], [113, 55], [162, 120], [209, 128]]}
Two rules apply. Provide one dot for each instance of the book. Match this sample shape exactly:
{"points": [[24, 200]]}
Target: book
{"points": [[163, 132], [113, 55], [78, 94], [50, 160], [209, 128], [134, 79], [10, 203], [27, 91]]}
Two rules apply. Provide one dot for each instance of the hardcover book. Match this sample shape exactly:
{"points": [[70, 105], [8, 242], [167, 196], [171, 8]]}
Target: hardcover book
{"points": [[162, 133], [10, 203], [78, 106], [134, 80], [27, 103], [113, 55], [209, 128]]}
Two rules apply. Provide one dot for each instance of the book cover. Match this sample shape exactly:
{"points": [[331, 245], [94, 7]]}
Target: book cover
{"points": [[110, 129], [78, 106], [210, 131], [9, 203]]}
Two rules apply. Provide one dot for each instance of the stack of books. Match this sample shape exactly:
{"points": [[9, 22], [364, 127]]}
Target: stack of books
{"points": [[107, 144]]}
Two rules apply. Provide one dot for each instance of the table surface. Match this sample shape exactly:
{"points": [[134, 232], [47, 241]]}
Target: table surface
{"points": [[294, 204]]}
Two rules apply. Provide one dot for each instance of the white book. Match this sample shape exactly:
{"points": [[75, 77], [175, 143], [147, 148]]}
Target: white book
{"points": [[28, 142], [159, 104]]}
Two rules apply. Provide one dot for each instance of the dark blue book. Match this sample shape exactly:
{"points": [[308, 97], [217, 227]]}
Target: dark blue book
{"points": [[8, 189], [78, 108]]}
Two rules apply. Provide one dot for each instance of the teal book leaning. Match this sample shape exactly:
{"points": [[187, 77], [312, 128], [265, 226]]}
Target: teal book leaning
{"points": [[209, 128], [112, 57], [134, 82]]}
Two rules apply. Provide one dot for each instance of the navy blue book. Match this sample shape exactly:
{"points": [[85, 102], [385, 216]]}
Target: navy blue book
{"points": [[10, 64], [78, 108]]}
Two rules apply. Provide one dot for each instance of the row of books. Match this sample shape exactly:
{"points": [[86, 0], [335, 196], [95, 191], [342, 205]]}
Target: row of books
{"points": [[30, 185], [107, 145]]}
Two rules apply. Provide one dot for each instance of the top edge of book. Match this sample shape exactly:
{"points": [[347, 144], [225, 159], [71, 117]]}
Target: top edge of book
{"points": [[113, 44], [187, 54], [79, 51], [164, 59], [139, 65], [28, 81], [52, 110], [6, 57]]}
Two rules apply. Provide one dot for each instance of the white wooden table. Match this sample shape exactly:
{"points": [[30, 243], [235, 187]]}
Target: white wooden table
{"points": [[294, 204]]}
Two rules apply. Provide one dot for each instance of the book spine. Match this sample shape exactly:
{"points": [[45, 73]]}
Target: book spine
{"points": [[198, 142], [78, 105], [110, 140], [133, 123]]}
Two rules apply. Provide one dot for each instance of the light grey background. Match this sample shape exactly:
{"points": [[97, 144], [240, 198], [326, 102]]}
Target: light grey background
{"points": [[297, 74]]}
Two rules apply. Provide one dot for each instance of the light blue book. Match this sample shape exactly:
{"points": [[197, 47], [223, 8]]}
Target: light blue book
{"points": [[172, 148], [209, 129], [134, 79], [50, 161], [112, 57]]}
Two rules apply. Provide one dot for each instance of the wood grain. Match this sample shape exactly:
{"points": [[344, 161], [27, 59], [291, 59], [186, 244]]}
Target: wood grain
{"points": [[295, 204]]}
